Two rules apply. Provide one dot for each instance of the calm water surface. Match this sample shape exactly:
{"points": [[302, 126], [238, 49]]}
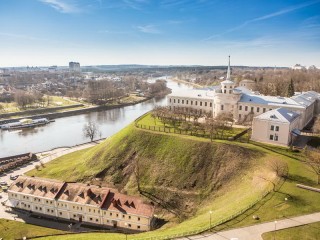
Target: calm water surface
{"points": [[67, 131]]}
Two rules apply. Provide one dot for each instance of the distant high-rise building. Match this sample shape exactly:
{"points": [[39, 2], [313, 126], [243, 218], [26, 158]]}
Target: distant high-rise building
{"points": [[74, 67]]}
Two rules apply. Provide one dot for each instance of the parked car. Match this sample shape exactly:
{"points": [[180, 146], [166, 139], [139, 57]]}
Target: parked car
{"points": [[13, 177], [3, 183]]}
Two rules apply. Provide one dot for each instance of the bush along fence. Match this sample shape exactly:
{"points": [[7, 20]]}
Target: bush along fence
{"points": [[198, 133]]}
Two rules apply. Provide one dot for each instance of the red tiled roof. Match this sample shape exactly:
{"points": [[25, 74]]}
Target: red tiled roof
{"points": [[40, 187], [102, 197]]}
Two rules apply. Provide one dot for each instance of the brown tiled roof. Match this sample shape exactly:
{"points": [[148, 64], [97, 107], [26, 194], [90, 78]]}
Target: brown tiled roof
{"points": [[101, 197], [37, 186], [82, 193], [127, 204]]}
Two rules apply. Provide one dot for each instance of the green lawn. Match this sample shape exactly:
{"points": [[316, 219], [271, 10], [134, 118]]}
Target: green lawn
{"points": [[17, 230], [274, 206], [147, 120], [305, 232]]}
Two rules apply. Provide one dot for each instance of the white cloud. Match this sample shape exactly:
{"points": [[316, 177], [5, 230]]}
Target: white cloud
{"points": [[63, 6], [149, 29]]}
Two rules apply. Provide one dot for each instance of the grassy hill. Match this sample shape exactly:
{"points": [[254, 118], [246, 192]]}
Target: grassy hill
{"points": [[187, 176], [182, 171]]}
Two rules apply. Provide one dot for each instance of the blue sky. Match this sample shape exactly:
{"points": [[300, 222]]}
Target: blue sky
{"points": [[164, 32]]}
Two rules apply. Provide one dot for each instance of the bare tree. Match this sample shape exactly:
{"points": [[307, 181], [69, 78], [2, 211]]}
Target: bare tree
{"points": [[279, 167], [91, 130], [313, 160]]}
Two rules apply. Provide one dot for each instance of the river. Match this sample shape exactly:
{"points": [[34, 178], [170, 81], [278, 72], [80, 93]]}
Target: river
{"points": [[67, 131]]}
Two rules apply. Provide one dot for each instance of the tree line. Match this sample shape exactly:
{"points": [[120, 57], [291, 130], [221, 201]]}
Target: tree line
{"points": [[194, 121]]}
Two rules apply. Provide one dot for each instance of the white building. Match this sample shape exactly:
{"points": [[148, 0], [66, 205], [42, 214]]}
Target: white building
{"points": [[275, 127], [243, 103], [77, 202]]}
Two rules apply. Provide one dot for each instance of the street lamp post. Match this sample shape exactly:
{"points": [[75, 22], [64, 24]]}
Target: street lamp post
{"points": [[210, 219], [275, 229], [126, 224]]}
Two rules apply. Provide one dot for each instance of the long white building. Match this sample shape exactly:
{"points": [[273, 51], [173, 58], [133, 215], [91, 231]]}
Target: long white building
{"points": [[244, 103]]}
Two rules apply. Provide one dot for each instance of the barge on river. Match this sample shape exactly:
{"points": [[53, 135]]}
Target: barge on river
{"points": [[25, 123]]}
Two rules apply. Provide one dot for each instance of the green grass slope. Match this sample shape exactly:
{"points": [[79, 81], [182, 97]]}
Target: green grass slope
{"points": [[187, 176], [177, 169]]}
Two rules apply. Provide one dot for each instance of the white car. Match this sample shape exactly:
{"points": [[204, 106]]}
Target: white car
{"points": [[3, 184]]}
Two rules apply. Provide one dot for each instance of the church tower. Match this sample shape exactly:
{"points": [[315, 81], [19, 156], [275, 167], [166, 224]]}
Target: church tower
{"points": [[228, 85], [226, 98]]}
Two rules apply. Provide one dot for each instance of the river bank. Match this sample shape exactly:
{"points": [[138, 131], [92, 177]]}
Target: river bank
{"points": [[53, 115], [187, 83]]}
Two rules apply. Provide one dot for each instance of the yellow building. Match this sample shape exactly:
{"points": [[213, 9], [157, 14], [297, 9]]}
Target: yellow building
{"points": [[79, 202]]}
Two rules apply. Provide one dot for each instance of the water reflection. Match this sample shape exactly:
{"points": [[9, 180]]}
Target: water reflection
{"points": [[68, 131]]}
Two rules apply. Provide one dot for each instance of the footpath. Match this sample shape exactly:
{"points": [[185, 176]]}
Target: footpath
{"points": [[254, 232]]}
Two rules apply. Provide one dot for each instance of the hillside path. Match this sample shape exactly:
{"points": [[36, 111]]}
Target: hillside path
{"points": [[254, 232]]}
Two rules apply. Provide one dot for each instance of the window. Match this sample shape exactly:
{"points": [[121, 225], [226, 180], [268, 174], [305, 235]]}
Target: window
{"points": [[258, 109], [277, 128], [138, 227], [196, 103], [178, 100], [264, 110], [129, 225], [182, 101], [60, 213], [230, 91], [138, 219], [271, 137], [239, 116], [240, 107], [200, 103], [90, 219], [246, 108], [225, 91], [123, 216], [205, 104], [251, 109], [129, 217], [174, 101], [272, 128], [221, 107], [170, 100], [97, 220], [110, 214], [276, 137], [210, 104], [191, 102], [187, 102]]}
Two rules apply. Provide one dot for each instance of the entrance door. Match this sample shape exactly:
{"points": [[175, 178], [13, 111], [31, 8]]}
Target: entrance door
{"points": [[114, 224]]}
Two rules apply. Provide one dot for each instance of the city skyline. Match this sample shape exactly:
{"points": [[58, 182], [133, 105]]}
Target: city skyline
{"points": [[165, 32]]}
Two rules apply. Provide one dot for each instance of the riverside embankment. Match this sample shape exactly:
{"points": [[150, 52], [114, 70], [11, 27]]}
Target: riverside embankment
{"points": [[43, 113], [67, 128]]}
